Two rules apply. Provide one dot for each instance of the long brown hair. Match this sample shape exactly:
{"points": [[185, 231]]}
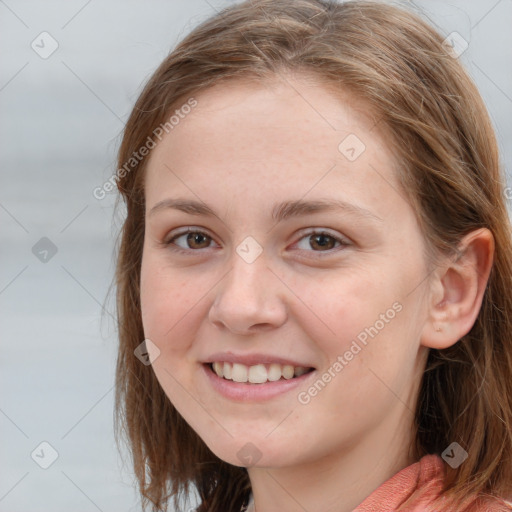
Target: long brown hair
{"points": [[450, 168]]}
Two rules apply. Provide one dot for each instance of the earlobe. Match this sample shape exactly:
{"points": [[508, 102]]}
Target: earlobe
{"points": [[457, 291]]}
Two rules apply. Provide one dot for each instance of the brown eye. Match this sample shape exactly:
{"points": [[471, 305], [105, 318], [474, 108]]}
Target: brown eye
{"points": [[198, 238], [193, 240], [319, 241], [323, 242]]}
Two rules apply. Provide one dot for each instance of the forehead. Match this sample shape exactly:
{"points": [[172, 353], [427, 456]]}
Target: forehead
{"points": [[278, 104], [288, 137]]}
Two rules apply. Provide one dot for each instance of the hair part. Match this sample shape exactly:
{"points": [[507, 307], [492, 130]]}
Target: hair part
{"points": [[449, 167]]}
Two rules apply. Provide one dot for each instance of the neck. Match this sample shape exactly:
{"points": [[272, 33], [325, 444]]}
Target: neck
{"points": [[341, 480]]}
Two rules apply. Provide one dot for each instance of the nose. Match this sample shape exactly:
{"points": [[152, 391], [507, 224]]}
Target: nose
{"points": [[250, 298]]}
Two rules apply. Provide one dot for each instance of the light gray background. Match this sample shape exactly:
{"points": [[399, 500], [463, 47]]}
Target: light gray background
{"points": [[60, 122]]}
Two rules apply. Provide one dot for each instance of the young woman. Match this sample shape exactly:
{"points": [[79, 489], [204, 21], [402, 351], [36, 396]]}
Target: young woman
{"points": [[315, 273]]}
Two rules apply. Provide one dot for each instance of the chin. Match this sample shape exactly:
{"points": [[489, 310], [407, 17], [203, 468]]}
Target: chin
{"points": [[252, 452]]}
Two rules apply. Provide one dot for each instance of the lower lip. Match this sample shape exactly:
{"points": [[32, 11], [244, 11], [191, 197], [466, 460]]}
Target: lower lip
{"points": [[245, 391]]}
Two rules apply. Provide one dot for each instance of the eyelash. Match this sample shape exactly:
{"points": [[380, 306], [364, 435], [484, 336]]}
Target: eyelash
{"points": [[170, 243]]}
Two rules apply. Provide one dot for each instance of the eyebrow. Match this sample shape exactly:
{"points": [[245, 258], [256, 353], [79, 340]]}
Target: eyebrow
{"points": [[280, 211]]}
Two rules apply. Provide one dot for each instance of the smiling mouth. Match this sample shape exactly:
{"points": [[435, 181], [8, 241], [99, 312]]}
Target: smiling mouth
{"points": [[258, 373]]}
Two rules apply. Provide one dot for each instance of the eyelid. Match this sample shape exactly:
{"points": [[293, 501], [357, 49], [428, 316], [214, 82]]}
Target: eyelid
{"points": [[168, 241], [342, 240]]}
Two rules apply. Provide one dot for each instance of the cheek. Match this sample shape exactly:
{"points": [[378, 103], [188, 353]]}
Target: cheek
{"points": [[346, 307], [167, 304], [369, 322], [169, 320]]}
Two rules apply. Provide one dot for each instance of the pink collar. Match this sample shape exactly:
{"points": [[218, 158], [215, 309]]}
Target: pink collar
{"points": [[418, 484], [414, 488]]}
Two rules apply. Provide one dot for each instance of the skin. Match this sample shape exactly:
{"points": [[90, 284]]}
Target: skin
{"points": [[245, 147]]}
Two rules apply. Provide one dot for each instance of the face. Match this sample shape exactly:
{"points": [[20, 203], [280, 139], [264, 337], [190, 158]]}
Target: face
{"points": [[320, 307]]}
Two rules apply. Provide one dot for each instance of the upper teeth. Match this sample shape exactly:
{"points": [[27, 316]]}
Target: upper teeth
{"points": [[257, 374]]}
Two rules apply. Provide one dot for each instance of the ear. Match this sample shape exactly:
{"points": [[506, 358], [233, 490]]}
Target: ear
{"points": [[457, 291]]}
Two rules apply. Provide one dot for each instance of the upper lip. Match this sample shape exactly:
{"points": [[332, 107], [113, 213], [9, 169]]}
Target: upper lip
{"points": [[253, 359]]}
